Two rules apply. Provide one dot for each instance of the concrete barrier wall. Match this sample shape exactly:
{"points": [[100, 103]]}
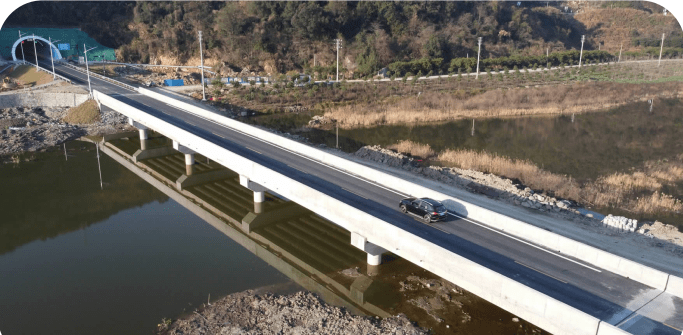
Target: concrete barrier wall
{"points": [[607, 329], [30, 99], [589, 254], [529, 304], [675, 286]]}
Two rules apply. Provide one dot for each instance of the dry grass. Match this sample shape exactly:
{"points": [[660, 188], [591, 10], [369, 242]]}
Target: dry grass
{"points": [[28, 76], [563, 99], [85, 113], [614, 26], [637, 192], [413, 148]]}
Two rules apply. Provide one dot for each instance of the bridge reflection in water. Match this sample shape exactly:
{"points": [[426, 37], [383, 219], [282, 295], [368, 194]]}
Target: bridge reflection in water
{"points": [[307, 248]]}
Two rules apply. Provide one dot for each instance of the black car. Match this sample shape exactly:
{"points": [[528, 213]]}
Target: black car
{"points": [[427, 209]]}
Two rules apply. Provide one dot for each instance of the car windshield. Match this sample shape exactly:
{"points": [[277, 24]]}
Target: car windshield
{"points": [[440, 208]]}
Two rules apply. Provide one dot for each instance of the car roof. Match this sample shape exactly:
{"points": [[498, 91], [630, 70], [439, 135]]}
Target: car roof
{"points": [[432, 201]]}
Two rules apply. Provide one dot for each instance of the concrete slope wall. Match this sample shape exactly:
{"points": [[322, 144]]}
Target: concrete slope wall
{"points": [[540, 309], [600, 258], [30, 99]]}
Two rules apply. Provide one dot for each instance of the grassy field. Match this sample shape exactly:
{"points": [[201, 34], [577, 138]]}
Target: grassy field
{"points": [[515, 93], [28, 76], [85, 113]]}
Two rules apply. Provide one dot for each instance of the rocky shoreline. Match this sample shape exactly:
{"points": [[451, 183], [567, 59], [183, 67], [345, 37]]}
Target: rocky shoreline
{"points": [[298, 313], [37, 128]]}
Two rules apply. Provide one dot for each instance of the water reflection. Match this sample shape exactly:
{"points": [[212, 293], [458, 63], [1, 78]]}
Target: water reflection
{"points": [[49, 195], [80, 260], [586, 146]]}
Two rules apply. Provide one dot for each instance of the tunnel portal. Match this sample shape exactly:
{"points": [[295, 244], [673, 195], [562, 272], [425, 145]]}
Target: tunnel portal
{"points": [[42, 47]]}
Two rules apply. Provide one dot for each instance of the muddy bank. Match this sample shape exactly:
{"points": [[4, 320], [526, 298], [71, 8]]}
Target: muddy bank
{"points": [[36, 128], [297, 313]]}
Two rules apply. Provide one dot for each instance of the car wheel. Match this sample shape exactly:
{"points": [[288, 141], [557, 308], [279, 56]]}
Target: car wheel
{"points": [[404, 209], [427, 218]]}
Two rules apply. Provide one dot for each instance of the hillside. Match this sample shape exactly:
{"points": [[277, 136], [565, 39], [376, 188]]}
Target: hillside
{"points": [[277, 37], [634, 28]]}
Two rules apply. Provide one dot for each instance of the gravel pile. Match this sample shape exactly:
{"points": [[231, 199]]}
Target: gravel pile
{"points": [[299, 313], [36, 128]]}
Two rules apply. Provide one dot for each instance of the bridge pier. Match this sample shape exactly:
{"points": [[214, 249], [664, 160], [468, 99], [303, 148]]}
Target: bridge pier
{"points": [[142, 129], [189, 157], [259, 192], [374, 252]]}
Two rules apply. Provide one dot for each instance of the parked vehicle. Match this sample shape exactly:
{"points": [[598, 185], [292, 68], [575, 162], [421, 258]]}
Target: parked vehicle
{"points": [[427, 209]]}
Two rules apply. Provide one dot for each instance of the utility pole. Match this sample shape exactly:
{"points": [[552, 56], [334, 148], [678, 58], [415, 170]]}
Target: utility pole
{"points": [[660, 51], [336, 123], [87, 71], [23, 58], [36, 52], [478, 54], [583, 38], [201, 55], [52, 58], [338, 42], [620, 48]]}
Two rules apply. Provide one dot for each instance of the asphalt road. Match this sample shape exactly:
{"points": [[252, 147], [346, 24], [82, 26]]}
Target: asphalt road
{"points": [[598, 292]]}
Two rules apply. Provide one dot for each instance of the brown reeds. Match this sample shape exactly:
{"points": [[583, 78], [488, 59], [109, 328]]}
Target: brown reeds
{"points": [[637, 192], [413, 148], [562, 99]]}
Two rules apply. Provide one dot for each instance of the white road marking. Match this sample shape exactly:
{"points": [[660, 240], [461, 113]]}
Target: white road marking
{"points": [[435, 227], [525, 242], [290, 151], [347, 190], [254, 151], [541, 272]]}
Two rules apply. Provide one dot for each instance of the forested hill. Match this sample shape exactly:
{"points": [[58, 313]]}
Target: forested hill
{"points": [[276, 36]]}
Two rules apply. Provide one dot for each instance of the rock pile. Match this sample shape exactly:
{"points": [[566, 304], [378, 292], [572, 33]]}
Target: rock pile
{"points": [[620, 222], [32, 129], [319, 120], [298, 313]]}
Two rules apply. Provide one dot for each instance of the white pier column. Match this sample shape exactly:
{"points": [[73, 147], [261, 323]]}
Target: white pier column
{"points": [[374, 251], [189, 157], [144, 131], [259, 192]]}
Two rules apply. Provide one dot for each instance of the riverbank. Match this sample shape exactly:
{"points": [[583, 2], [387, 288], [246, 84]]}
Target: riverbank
{"points": [[36, 128], [297, 313]]}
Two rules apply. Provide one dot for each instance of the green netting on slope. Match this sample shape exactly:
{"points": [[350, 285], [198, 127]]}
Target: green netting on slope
{"points": [[72, 39]]}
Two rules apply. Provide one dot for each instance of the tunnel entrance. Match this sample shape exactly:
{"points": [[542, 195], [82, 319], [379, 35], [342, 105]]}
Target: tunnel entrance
{"points": [[23, 50]]}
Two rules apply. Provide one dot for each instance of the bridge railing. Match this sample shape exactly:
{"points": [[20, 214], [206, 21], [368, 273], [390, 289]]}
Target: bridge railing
{"points": [[107, 79]]}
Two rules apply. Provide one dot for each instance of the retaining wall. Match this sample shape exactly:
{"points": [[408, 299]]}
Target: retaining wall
{"points": [[553, 241], [531, 305], [30, 99]]}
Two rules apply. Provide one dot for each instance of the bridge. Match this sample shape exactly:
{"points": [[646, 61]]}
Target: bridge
{"points": [[558, 284]]}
